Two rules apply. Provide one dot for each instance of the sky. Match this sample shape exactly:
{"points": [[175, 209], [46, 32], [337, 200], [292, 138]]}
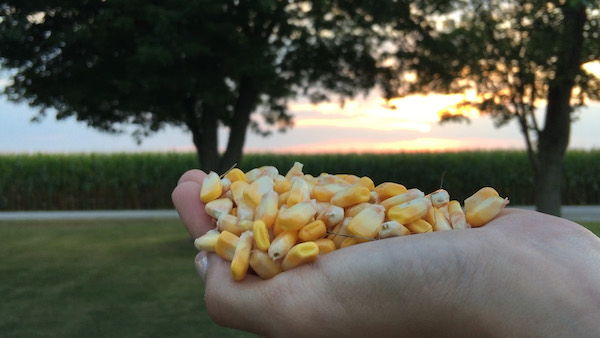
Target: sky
{"points": [[361, 125]]}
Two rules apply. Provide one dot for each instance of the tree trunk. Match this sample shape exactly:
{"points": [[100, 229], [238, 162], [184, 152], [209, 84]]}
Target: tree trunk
{"points": [[245, 104], [204, 136], [554, 138]]}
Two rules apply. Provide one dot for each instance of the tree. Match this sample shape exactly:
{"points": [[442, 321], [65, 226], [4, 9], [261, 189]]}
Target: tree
{"points": [[195, 63], [515, 54]]}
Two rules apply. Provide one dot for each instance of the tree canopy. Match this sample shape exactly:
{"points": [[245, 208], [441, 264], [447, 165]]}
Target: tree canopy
{"points": [[198, 64]]}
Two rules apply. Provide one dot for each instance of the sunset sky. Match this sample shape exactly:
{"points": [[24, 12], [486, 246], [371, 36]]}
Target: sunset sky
{"points": [[361, 125]]}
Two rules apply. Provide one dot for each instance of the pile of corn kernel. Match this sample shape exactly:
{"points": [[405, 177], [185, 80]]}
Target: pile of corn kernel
{"points": [[272, 223]]}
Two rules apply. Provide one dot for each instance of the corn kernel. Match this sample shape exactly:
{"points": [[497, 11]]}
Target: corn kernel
{"points": [[419, 226], [410, 211], [207, 241], [241, 257], [325, 178], [245, 224], [430, 216], [253, 175], [439, 198], [485, 211], [366, 182], [261, 235], [267, 209], [393, 229], [324, 193], [295, 170], [457, 216], [226, 244], [257, 189], [352, 179], [441, 222], [300, 254], [237, 189], [229, 223], [331, 215], [263, 265], [409, 195], [354, 210], [225, 183], [277, 225], [478, 197], [236, 174], [367, 223], [312, 231], [295, 217], [281, 184], [348, 241], [282, 244], [299, 192], [269, 171], [216, 208], [388, 189], [342, 233], [374, 197], [211, 188], [351, 196], [325, 245]]}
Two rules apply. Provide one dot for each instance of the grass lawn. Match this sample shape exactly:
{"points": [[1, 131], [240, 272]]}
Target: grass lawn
{"points": [[103, 279]]}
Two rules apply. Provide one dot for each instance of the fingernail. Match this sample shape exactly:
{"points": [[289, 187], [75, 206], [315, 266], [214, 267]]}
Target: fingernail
{"points": [[201, 262]]}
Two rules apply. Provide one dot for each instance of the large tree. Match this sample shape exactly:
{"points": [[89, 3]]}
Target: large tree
{"points": [[196, 64], [518, 56]]}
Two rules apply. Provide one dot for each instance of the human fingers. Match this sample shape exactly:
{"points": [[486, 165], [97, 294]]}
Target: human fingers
{"points": [[186, 198], [193, 175]]}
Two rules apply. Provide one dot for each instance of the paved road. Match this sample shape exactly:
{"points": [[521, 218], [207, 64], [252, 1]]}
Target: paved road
{"points": [[580, 213]]}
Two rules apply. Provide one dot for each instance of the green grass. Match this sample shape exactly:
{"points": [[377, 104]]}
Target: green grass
{"points": [[101, 279], [593, 227]]}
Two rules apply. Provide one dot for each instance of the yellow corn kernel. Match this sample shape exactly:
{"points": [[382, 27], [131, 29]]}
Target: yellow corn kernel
{"points": [[441, 222], [241, 257], [419, 226], [257, 189], [478, 197], [444, 210], [439, 198], [236, 174], [282, 244], [310, 179], [312, 231], [354, 210], [409, 195], [410, 211], [331, 215], [211, 188], [485, 211], [269, 171], [233, 212], [216, 208], [457, 216], [352, 179], [299, 192], [388, 189], [324, 193], [261, 235], [430, 216], [229, 223], [245, 224], [295, 170], [300, 254], [245, 211], [277, 226], [281, 185], [237, 189], [348, 241], [336, 230], [367, 223], [393, 229], [267, 209], [366, 182], [351, 196], [226, 244], [207, 241], [253, 175], [342, 232], [374, 198], [326, 178], [283, 199], [225, 183], [263, 265], [295, 217], [325, 245]]}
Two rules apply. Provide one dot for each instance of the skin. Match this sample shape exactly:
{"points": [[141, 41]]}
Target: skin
{"points": [[523, 274]]}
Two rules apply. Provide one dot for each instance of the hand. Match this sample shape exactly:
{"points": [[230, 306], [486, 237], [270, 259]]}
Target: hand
{"points": [[523, 274]]}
